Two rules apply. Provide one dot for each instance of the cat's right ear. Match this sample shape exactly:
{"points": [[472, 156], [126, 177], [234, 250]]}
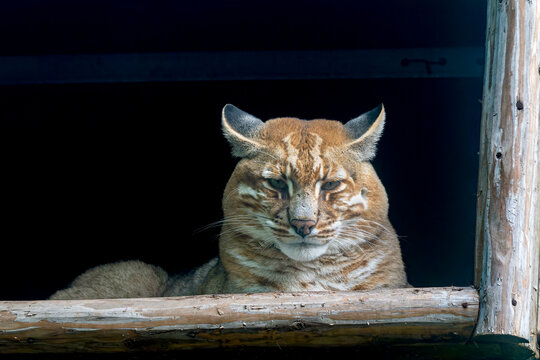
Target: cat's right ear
{"points": [[241, 130], [365, 131]]}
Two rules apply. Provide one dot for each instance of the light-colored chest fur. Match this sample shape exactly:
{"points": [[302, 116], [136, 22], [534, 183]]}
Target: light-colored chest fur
{"points": [[328, 274]]}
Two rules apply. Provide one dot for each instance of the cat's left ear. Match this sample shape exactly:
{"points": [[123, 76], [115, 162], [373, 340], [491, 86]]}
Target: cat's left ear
{"points": [[365, 132], [241, 130]]}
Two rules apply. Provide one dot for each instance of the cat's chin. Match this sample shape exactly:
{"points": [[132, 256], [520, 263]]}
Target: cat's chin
{"points": [[302, 251]]}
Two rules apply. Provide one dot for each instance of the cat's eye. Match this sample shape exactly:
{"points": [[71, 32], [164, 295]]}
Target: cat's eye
{"points": [[331, 185], [278, 184]]}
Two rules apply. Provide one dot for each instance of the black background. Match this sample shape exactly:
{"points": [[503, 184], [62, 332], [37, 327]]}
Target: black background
{"points": [[94, 173]]}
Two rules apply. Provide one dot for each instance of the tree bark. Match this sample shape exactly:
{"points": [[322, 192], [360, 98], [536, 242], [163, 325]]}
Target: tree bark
{"points": [[507, 247], [397, 316]]}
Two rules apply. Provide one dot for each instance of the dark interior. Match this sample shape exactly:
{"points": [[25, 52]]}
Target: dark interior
{"points": [[101, 172]]}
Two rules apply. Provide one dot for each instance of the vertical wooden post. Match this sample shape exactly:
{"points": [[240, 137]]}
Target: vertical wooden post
{"points": [[508, 223]]}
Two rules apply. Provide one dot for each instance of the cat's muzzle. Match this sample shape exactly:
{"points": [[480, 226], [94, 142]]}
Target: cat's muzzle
{"points": [[303, 227]]}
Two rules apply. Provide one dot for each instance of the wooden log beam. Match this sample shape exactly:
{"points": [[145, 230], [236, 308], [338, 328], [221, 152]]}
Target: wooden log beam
{"points": [[398, 316], [507, 247]]}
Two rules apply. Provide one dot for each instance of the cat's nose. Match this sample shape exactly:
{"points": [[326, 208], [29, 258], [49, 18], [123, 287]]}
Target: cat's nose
{"points": [[303, 227]]}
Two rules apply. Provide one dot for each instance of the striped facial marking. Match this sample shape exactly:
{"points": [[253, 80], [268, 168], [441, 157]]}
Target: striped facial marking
{"points": [[299, 183]]}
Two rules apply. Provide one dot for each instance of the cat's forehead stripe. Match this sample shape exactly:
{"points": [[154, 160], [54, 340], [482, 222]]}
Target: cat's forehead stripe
{"points": [[315, 153], [304, 154], [291, 151], [303, 160]]}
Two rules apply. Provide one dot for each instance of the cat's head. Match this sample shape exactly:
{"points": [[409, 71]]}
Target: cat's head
{"points": [[304, 187]]}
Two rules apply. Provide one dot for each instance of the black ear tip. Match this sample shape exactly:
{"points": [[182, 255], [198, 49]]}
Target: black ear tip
{"points": [[378, 109], [229, 108], [374, 113], [232, 113]]}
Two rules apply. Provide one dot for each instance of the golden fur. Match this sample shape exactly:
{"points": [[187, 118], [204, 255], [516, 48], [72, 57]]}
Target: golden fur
{"points": [[303, 210]]}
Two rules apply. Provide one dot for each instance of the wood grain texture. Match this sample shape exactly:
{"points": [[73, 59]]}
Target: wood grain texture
{"points": [[507, 247], [397, 316]]}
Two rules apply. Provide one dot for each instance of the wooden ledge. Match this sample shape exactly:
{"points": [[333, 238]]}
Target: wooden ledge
{"points": [[396, 316]]}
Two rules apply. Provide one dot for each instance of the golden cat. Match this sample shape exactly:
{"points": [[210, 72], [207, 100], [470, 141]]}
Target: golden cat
{"points": [[303, 210]]}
